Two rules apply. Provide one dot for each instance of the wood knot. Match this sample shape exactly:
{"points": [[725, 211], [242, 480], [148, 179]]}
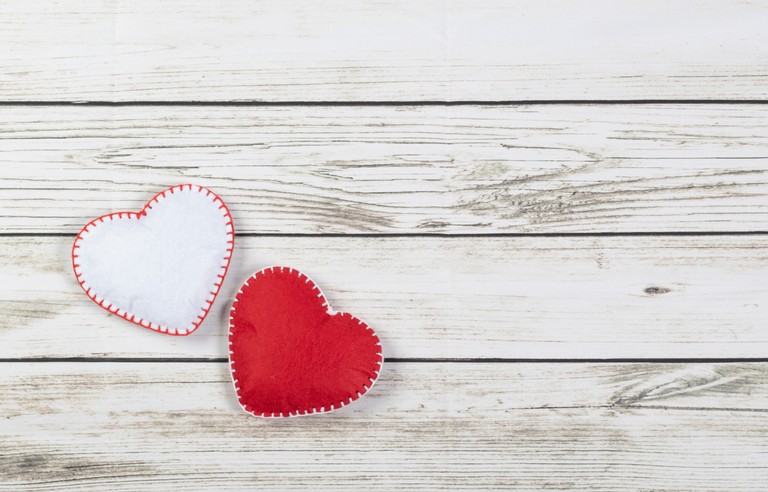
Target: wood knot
{"points": [[654, 291]]}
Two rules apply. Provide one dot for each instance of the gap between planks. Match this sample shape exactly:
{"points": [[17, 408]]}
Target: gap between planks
{"points": [[410, 360], [394, 103], [439, 235]]}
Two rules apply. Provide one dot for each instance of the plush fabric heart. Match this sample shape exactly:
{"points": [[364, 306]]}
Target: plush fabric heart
{"points": [[291, 354], [162, 267]]}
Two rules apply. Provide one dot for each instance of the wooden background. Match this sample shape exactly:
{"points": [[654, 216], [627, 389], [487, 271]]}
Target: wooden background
{"points": [[553, 213]]}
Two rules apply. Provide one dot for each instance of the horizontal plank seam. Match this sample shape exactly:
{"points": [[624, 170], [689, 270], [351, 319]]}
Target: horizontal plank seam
{"points": [[509, 102], [412, 360], [451, 235]]}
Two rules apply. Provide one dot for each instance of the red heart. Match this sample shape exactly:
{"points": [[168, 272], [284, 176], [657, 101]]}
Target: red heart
{"points": [[291, 354]]}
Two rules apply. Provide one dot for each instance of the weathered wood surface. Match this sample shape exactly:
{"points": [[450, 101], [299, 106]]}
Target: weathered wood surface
{"points": [[455, 426], [391, 50], [522, 297], [411, 171], [396, 170]]}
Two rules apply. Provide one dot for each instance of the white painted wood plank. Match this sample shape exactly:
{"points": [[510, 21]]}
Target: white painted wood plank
{"points": [[389, 50], [611, 297], [431, 426], [396, 170]]}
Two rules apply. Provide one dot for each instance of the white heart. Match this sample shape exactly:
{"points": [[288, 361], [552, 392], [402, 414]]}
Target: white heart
{"points": [[162, 267]]}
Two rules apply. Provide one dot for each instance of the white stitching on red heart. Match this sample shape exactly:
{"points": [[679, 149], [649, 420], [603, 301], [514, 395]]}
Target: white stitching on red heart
{"points": [[331, 312]]}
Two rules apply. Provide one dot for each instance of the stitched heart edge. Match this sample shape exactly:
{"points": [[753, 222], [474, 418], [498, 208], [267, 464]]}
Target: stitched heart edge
{"points": [[331, 312], [105, 304]]}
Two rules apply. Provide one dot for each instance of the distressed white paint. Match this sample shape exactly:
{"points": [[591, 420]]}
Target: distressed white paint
{"points": [[389, 50], [579, 297], [396, 170], [402, 170], [129, 426]]}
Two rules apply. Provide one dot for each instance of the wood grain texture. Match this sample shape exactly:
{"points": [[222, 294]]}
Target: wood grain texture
{"points": [[388, 50], [429, 426], [415, 172], [400, 170], [612, 297]]}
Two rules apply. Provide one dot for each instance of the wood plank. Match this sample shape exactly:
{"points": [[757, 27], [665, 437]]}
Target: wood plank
{"points": [[396, 170], [564, 297], [430, 426], [389, 50]]}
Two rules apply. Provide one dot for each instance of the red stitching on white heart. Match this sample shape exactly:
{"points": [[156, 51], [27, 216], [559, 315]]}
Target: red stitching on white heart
{"points": [[143, 213], [331, 312]]}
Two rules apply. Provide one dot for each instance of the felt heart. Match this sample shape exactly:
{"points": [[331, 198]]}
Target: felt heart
{"points": [[291, 354], [162, 267]]}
